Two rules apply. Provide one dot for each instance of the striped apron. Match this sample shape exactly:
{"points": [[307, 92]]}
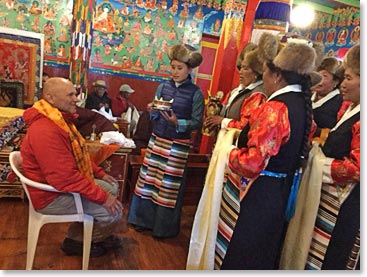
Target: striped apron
{"points": [[230, 209], [162, 170], [331, 200]]}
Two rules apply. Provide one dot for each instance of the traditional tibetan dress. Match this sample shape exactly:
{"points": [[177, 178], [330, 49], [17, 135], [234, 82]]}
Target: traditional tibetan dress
{"points": [[204, 230], [157, 200], [269, 147], [324, 232], [326, 109], [336, 237]]}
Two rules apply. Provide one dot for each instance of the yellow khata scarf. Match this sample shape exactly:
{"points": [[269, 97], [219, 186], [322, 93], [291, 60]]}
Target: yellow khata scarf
{"points": [[80, 149]]}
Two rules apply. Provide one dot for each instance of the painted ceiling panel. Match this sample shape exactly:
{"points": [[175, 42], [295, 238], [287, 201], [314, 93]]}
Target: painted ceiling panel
{"points": [[328, 6]]}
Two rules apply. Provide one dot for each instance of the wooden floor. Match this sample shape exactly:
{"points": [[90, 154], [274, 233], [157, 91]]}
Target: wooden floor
{"points": [[140, 250]]}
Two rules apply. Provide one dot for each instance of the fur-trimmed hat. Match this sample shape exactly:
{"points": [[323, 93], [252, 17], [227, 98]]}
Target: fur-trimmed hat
{"points": [[352, 59], [185, 54], [269, 47], [266, 50], [331, 65], [251, 59], [249, 47], [298, 57]]}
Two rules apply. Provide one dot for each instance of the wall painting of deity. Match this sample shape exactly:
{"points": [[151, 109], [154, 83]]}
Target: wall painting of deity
{"points": [[132, 38], [21, 60]]}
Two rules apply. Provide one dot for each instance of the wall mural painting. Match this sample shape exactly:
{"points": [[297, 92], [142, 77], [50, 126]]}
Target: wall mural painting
{"points": [[21, 60], [338, 31], [132, 38], [49, 17]]}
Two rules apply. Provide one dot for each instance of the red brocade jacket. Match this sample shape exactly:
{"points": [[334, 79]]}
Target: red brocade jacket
{"points": [[346, 170], [250, 103], [269, 129]]}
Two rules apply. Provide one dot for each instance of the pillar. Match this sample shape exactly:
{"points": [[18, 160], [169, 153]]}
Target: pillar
{"points": [[225, 75], [229, 46]]}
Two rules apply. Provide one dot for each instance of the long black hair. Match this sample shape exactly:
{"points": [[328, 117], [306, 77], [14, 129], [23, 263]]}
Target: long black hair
{"points": [[291, 78]]}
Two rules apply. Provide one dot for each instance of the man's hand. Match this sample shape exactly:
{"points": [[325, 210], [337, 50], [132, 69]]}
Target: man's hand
{"points": [[112, 205], [213, 121], [110, 179]]}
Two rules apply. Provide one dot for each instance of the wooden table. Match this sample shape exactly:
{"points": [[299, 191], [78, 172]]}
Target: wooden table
{"points": [[114, 161]]}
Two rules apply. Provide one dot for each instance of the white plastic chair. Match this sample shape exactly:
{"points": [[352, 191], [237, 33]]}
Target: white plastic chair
{"points": [[37, 220]]}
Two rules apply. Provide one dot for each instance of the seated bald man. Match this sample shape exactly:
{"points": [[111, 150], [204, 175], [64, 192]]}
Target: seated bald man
{"points": [[54, 152]]}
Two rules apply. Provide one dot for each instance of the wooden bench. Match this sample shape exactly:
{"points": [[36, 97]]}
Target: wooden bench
{"points": [[196, 172]]}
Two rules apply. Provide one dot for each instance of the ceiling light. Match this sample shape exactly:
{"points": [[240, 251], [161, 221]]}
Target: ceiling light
{"points": [[302, 16]]}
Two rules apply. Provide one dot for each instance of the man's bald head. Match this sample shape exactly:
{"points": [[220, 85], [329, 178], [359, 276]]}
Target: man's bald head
{"points": [[61, 94], [55, 85]]}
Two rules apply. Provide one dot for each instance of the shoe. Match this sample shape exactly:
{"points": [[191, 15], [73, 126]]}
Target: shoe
{"points": [[75, 248], [111, 242]]}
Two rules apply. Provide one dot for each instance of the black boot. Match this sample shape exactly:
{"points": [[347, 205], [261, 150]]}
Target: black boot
{"points": [[75, 248], [112, 242]]}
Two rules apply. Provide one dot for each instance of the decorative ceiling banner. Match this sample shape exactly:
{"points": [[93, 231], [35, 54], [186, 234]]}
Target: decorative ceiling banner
{"points": [[229, 45], [21, 60], [233, 22], [51, 18], [272, 16], [227, 52], [338, 31], [81, 43], [132, 38]]}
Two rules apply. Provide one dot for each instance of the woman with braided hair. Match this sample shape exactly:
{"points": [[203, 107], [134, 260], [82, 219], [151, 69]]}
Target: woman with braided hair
{"points": [[325, 231], [266, 163], [238, 109]]}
